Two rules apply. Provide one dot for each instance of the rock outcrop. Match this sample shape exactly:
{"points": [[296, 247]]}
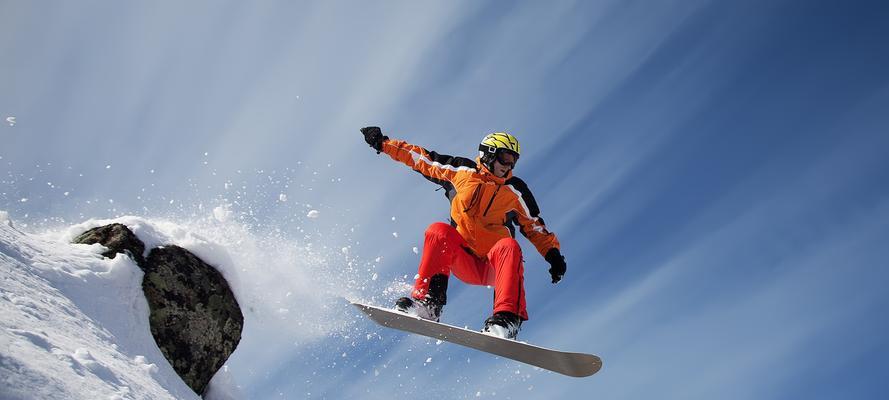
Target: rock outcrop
{"points": [[118, 239], [194, 316]]}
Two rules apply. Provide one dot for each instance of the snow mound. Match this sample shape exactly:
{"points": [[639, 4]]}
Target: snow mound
{"points": [[73, 325]]}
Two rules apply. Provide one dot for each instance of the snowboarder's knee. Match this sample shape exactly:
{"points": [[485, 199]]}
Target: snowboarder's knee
{"points": [[439, 229], [507, 244]]}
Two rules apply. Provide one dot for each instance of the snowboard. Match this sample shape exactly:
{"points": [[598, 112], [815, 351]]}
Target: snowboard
{"points": [[571, 364]]}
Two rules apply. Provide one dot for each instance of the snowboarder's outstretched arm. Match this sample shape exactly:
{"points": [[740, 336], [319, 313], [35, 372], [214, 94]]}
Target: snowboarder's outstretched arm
{"points": [[436, 167], [532, 227]]}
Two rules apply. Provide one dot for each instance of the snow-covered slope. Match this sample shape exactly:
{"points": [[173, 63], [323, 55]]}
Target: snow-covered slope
{"points": [[75, 326]]}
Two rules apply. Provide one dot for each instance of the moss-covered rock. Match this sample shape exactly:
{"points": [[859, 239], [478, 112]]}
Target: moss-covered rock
{"points": [[118, 239], [195, 318]]}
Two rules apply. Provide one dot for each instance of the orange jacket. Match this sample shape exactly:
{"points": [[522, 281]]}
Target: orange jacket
{"points": [[483, 206]]}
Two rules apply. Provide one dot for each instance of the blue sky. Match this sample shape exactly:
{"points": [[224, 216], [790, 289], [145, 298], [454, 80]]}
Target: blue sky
{"points": [[716, 170]]}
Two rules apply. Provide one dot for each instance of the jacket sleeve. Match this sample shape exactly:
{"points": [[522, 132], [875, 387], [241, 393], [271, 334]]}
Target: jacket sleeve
{"points": [[528, 217], [436, 167]]}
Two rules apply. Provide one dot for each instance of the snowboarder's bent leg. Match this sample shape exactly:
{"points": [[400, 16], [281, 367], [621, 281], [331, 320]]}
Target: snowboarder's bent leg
{"points": [[445, 252], [509, 282], [440, 247]]}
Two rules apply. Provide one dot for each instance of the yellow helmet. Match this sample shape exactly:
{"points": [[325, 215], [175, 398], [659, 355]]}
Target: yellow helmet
{"points": [[496, 143], [500, 140]]}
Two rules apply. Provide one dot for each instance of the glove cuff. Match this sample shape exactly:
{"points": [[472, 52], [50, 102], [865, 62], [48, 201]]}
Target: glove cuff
{"points": [[379, 145], [553, 254]]}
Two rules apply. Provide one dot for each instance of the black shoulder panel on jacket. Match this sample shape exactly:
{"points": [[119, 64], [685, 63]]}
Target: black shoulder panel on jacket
{"points": [[448, 161], [527, 197], [452, 161]]}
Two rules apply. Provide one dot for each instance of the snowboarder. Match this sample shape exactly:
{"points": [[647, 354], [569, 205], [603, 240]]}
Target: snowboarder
{"points": [[478, 246]]}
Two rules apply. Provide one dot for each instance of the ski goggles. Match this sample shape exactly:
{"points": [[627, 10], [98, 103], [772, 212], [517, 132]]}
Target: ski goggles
{"points": [[505, 163]]}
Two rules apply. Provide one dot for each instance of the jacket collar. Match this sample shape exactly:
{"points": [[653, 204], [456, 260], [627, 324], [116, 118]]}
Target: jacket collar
{"points": [[487, 175]]}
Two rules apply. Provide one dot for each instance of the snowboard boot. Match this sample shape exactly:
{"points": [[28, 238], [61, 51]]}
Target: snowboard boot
{"points": [[503, 324], [425, 308], [430, 306]]}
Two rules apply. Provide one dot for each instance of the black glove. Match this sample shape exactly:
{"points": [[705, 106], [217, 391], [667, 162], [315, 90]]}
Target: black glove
{"points": [[557, 264], [374, 137]]}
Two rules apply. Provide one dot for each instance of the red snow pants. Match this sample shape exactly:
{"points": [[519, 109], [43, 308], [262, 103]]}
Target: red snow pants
{"points": [[445, 252]]}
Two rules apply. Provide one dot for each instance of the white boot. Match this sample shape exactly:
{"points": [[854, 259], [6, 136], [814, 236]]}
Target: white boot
{"points": [[425, 309], [503, 324]]}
